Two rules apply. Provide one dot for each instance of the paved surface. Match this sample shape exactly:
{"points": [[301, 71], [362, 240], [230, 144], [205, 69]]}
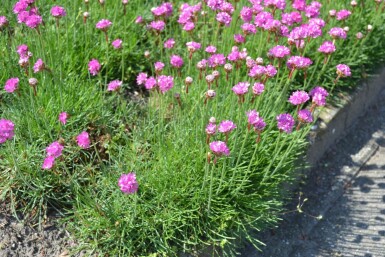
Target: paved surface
{"points": [[347, 188]]}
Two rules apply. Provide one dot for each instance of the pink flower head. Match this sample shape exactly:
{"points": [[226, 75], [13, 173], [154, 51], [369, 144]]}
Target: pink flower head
{"points": [[276, 4], [248, 28], [83, 140], [216, 60], [55, 149], [252, 116], [3, 21], [157, 25], [128, 183], [257, 71], [226, 126], [219, 148], [6, 130], [290, 18], [299, 97], [193, 46], [38, 66], [279, 51], [139, 20], [11, 85], [319, 95], [317, 21], [285, 122], [327, 47], [211, 129], [141, 78], [271, 71], [165, 83], [94, 67], [117, 43], [22, 50], [343, 70], [241, 88], [48, 163], [224, 18], [258, 88], [337, 33], [246, 14], [227, 7], [343, 15], [176, 61], [20, 6], [58, 12], [159, 66], [63, 118], [33, 21], [239, 39], [103, 25], [150, 83], [211, 49], [299, 5], [189, 26], [298, 62], [272, 25], [262, 17], [169, 43], [114, 85], [305, 116]]}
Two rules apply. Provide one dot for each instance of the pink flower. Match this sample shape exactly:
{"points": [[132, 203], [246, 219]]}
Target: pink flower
{"points": [[128, 183], [239, 39], [188, 26], [211, 49], [63, 118], [83, 140], [224, 18], [257, 71], [285, 122], [258, 88], [176, 61], [58, 12], [211, 129], [11, 85], [169, 43], [117, 43], [38, 66], [55, 149], [337, 33], [248, 29], [193, 46], [114, 85], [305, 116], [279, 51], [327, 47], [246, 14], [299, 97], [319, 95], [33, 21], [103, 25], [165, 83], [271, 71], [3, 22], [20, 6], [6, 130], [157, 25], [94, 67], [298, 62], [216, 60], [343, 70], [139, 20], [141, 78], [300, 5], [241, 88], [343, 15], [219, 148], [150, 83], [22, 50], [159, 66], [48, 163], [226, 126]]}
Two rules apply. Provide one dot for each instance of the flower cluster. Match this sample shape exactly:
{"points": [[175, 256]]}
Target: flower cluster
{"points": [[128, 183], [27, 13]]}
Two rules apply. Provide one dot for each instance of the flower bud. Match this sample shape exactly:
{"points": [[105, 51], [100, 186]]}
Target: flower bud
{"points": [[332, 13], [188, 80], [370, 27], [210, 93], [210, 78], [147, 54], [212, 120], [359, 35], [259, 61], [33, 82], [228, 67], [353, 3], [346, 29]]}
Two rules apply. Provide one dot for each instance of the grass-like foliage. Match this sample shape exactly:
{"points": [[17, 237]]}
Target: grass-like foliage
{"points": [[206, 157]]}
